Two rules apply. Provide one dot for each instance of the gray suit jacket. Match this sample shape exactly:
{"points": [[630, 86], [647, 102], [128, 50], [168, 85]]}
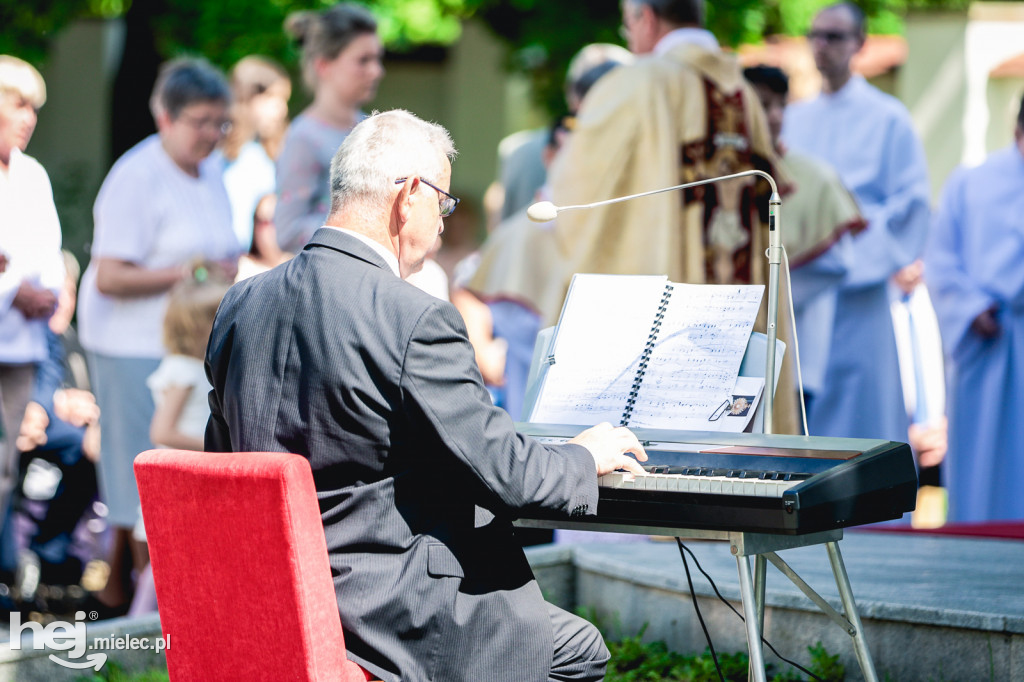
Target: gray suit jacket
{"points": [[334, 357]]}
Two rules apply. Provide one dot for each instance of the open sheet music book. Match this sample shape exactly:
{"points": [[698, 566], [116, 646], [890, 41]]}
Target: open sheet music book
{"points": [[638, 350]]}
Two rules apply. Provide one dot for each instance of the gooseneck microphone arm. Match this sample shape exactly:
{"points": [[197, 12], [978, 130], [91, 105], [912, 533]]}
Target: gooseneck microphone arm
{"points": [[545, 211]]}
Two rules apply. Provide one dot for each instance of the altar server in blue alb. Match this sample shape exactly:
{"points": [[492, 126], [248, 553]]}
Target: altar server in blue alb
{"points": [[975, 267], [867, 136]]}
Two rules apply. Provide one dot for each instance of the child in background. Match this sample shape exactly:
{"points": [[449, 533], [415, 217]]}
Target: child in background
{"points": [[179, 384], [180, 388]]}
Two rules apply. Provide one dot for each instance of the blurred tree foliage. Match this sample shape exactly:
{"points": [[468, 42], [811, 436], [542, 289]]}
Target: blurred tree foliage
{"points": [[542, 35]]}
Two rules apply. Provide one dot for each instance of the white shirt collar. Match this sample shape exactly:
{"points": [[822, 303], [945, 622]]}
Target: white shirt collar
{"points": [[389, 258], [687, 35]]}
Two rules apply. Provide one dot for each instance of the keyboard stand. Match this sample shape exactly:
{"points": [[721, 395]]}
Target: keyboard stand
{"points": [[764, 548]]}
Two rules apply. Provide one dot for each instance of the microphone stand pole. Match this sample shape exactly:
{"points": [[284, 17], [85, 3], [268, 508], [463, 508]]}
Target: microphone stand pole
{"points": [[774, 261]]}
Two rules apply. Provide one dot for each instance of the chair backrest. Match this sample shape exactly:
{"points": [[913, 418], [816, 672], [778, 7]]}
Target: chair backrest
{"points": [[240, 565]]}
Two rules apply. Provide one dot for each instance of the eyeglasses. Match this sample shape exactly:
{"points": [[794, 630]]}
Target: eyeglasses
{"points": [[445, 202], [220, 125], [829, 36]]}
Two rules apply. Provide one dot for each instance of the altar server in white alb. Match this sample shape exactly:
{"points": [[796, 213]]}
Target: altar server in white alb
{"points": [[867, 136], [975, 268], [820, 220]]}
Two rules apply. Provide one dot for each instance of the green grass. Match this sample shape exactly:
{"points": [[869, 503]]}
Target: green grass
{"points": [[634, 660], [112, 672]]}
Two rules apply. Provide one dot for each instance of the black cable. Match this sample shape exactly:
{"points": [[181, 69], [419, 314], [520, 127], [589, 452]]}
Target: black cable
{"points": [[693, 597], [733, 608]]}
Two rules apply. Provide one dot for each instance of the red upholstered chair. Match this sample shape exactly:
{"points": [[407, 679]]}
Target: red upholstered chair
{"points": [[241, 570]]}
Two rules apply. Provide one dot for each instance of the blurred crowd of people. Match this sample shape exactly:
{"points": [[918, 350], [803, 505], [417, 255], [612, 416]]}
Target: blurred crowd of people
{"points": [[228, 187]]}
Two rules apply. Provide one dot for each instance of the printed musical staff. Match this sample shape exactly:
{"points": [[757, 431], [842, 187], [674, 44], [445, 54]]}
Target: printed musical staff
{"points": [[640, 350]]}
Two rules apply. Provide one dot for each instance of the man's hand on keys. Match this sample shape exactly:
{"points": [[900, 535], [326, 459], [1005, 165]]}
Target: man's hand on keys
{"points": [[608, 445]]}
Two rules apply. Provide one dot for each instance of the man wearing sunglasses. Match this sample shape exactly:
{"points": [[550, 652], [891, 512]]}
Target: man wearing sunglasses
{"points": [[334, 357], [868, 137]]}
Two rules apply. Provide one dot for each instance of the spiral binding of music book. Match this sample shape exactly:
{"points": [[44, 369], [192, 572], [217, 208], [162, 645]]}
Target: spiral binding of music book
{"points": [[645, 357]]}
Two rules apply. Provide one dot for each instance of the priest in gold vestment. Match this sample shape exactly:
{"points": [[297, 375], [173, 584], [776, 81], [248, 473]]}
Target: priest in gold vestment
{"points": [[681, 112]]}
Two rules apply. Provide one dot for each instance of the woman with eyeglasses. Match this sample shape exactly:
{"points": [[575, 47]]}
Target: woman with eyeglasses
{"points": [[162, 214], [341, 65]]}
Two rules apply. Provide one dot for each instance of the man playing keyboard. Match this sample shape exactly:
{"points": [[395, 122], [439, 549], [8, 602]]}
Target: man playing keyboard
{"points": [[333, 356]]}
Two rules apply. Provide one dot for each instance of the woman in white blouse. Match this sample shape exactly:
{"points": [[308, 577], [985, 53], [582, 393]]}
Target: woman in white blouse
{"points": [[30, 249], [161, 213]]}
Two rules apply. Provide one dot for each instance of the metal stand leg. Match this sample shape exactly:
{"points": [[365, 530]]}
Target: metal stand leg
{"points": [[860, 646], [760, 577], [760, 580], [750, 616]]}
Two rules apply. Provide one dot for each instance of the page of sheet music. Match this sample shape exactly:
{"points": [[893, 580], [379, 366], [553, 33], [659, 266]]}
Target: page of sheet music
{"points": [[697, 356], [601, 335]]}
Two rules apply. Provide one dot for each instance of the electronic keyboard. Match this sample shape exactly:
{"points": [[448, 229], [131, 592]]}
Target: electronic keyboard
{"points": [[758, 483]]}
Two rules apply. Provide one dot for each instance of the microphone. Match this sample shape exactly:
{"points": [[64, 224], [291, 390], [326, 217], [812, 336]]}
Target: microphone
{"points": [[544, 211]]}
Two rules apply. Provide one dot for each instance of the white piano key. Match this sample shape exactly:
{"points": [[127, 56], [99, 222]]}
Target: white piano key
{"points": [[616, 479], [783, 486], [718, 484]]}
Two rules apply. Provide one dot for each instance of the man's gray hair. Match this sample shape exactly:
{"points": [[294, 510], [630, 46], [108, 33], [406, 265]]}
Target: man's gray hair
{"points": [[382, 148]]}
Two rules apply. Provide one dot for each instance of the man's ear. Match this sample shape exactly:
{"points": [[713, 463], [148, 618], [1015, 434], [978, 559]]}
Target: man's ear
{"points": [[406, 197]]}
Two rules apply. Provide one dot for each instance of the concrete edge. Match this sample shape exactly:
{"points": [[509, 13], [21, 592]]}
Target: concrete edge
{"points": [[675, 581]]}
